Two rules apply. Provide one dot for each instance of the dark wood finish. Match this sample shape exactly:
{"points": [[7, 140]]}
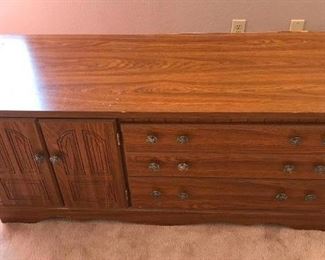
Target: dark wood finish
{"points": [[23, 181], [279, 74], [89, 169], [226, 194], [225, 138], [226, 165], [310, 220]]}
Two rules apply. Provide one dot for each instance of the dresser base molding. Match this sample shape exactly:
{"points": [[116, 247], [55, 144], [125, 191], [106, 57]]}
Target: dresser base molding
{"points": [[300, 220]]}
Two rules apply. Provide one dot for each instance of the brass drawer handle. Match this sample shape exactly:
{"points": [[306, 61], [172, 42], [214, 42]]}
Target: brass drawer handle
{"points": [[182, 139], [295, 140], [183, 195], [156, 194], [281, 196], [319, 169], [310, 197], [183, 166], [152, 139], [39, 157], [289, 168], [154, 166], [56, 158]]}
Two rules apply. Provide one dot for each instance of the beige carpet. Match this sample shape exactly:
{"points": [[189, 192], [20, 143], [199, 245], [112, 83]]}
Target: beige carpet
{"points": [[110, 240]]}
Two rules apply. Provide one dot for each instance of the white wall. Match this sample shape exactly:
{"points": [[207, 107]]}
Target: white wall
{"points": [[154, 16]]}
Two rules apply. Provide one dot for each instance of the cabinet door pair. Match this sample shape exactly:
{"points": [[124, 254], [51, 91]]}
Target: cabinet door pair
{"points": [[78, 159]]}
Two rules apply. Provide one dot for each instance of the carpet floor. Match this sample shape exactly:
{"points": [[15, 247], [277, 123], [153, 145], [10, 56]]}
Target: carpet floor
{"points": [[111, 240]]}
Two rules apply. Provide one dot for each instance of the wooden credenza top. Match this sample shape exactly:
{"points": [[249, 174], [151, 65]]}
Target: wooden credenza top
{"points": [[211, 74]]}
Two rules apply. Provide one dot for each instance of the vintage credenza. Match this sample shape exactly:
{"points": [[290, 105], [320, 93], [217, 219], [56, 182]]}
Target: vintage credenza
{"points": [[166, 129]]}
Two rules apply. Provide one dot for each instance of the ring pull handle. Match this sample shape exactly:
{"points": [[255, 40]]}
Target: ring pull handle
{"points": [[320, 169], [295, 140], [182, 139], [183, 166], [289, 168], [281, 196], [183, 195], [154, 166], [152, 139], [310, 197], [156, 194]]}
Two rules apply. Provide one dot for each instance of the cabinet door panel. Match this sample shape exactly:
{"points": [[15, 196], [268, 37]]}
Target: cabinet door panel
{"points": [[24, 181], [88, 164]]}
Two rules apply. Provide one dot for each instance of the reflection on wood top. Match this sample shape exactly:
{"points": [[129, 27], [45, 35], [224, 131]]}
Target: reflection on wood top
{"points": [[200, 74]]}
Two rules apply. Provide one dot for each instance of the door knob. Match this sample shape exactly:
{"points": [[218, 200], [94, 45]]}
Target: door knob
{"points": [[56, 158], [39, 157]]}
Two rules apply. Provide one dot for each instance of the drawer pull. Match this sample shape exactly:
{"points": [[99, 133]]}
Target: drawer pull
{"points": [[310, 197], [153, 166], [281, 196], [152, 139], [183, 196], [156, 194], [56, 158], [295, 140], [289, 168], [182, 139], [319, 169], [183, 166], [39, 157]]}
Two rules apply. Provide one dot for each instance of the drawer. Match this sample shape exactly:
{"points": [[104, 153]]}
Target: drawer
{"points": [[195, 193], [232, 165], [224, 138]]}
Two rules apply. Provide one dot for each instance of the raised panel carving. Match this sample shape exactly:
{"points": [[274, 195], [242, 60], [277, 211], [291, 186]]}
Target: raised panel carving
{"points": [[99, 192], [96, 149], [5, 164], [90, 173], [68, 145], [23, 152], [24, 190]]}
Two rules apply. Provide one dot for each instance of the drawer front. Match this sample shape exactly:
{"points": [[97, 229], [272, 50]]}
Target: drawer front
{"points": [[224, 138], [194, 193], [232, 165]]}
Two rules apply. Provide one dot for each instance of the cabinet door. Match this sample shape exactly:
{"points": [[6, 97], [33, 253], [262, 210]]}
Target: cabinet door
{"points": [[86, 160], [25, 176]]}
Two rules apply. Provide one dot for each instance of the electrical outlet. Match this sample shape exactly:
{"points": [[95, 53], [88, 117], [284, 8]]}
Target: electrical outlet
{"points": [[297, 25], [238, 26]]}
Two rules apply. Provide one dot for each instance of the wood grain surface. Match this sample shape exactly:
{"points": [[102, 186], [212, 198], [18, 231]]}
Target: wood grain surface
{"points": [[25, 181], [271, 73], [226, 194], [226, 165], [297, 219], [89, 169], [225, 138]]}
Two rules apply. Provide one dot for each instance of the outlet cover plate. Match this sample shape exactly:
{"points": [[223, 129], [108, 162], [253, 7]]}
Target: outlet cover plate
{"points": [[238, 26], [297, 25]]}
